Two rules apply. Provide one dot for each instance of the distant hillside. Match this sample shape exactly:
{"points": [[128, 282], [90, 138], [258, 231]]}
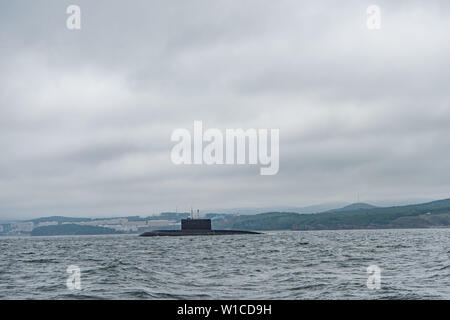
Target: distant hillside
{"points": [[71, 229], [255, 210], [58, 219], [354, 206], [431, 214]]}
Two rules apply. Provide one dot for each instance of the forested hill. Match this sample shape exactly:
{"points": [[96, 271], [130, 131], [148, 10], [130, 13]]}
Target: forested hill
{"points": [[425, 215]]}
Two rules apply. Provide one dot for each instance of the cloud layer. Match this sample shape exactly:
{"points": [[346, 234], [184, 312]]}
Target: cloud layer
{"points": [[86, 116]]}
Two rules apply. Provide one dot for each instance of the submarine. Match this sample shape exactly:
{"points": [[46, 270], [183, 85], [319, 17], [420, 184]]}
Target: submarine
{"points": [[195, 227]]}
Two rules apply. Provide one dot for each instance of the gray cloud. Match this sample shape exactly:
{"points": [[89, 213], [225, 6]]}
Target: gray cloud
{"points": [[86, 116]]}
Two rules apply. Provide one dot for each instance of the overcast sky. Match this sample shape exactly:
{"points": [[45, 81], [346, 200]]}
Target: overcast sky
{"points": [[86, 115]]}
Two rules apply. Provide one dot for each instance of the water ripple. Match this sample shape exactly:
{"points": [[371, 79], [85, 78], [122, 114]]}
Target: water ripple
{"points": [[414, 264]]}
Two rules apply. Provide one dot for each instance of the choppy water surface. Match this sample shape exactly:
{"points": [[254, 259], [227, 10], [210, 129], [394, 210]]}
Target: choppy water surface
{"points": [[415, 264]]}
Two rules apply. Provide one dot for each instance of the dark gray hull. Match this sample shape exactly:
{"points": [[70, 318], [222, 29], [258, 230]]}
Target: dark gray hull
{"points": [[179, 233]]}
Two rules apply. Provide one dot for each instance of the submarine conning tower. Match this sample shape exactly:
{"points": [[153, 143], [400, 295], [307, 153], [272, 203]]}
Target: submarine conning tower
{"points": [[196, 224]]}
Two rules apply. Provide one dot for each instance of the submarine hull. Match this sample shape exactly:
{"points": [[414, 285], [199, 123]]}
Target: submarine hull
{"points": [[179, 233]]}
